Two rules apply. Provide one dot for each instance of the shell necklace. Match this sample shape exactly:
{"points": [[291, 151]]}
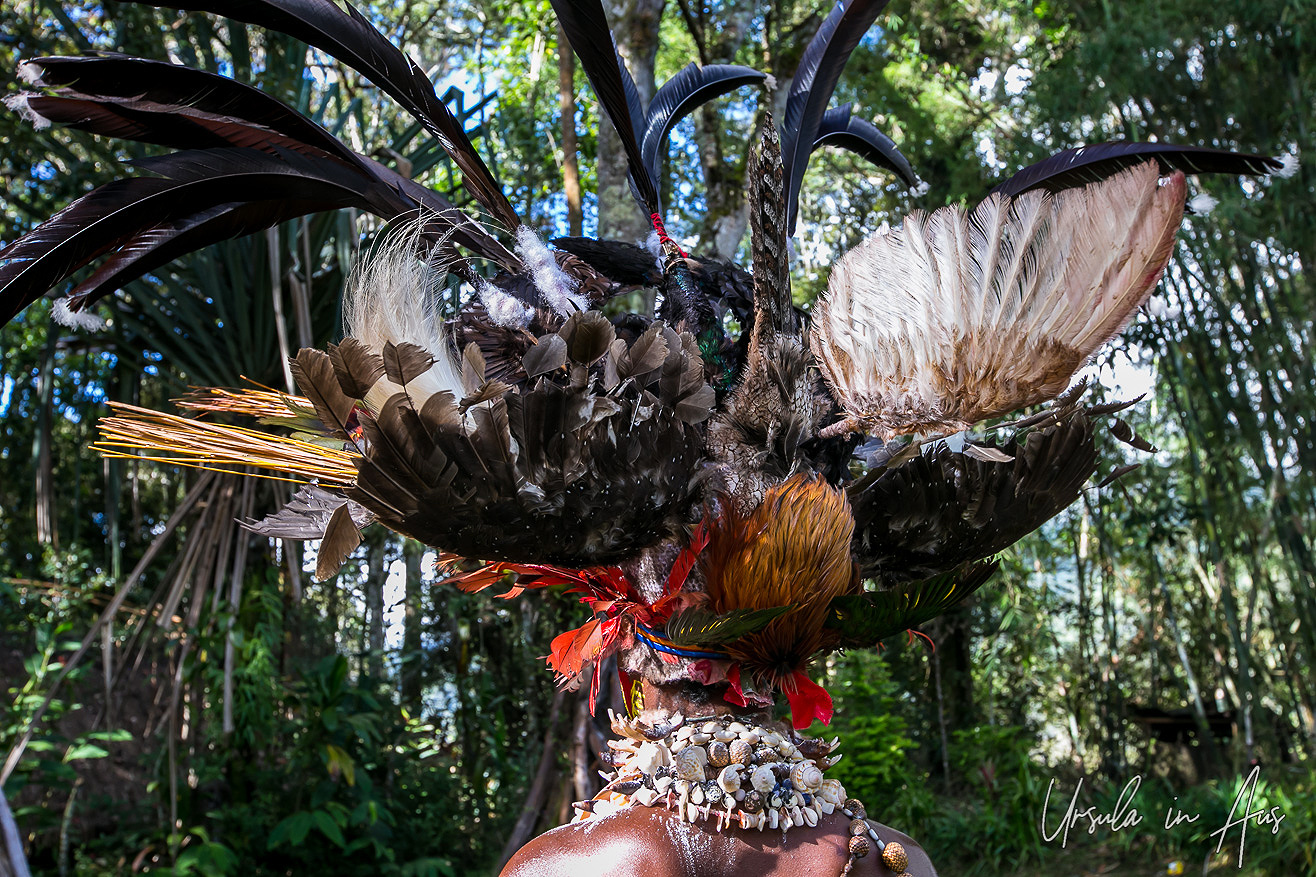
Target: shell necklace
{"points": [[734, 773]]}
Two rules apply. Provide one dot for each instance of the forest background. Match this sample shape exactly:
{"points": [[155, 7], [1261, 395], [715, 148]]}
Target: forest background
{"points": [[177, 696]]}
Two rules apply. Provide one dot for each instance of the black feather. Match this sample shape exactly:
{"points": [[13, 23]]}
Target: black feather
{"points": [[586, 28], [150, 95], [357, 367], [619, 261], [944, 508], [678, 96], [405, 362], [839, 128], [1090, 164], [155, 102], [815, 81], [116, 213], [159, 245], [554, 470], [348, 36]]}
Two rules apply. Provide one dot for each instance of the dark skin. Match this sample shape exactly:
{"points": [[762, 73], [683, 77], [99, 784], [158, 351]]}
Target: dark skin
{"points": [[653, 842]]}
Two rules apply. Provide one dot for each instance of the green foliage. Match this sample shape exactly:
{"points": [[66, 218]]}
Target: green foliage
{"points": [[1191, 579], [874, 736]]}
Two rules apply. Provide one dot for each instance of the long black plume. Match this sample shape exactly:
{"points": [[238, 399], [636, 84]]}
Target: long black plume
{"points": [[815, 81], [348, 36], [159, 245], [680, 95], [139, 89], [587, 30], [112, 215], [169, 105], [839, 128], [1089, 164]]}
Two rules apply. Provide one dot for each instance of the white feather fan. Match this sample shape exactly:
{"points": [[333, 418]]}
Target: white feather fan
{"points": [[392, 297], [954, 318]]}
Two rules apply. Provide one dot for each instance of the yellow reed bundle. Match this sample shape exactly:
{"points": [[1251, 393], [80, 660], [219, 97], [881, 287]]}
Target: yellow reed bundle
{"points": [[142, 434], [257, 401]]}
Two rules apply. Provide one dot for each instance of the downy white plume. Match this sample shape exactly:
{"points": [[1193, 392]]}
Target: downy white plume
{"points": [[954, 318], [655, 248], [19, 104], [506, 310], [556, 288], [1202, 204], [392, 296], [1290, 165], [83, 321], [29, 72]]}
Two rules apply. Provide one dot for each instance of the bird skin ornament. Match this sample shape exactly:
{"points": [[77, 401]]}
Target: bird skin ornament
{"points": [[688, 472]]}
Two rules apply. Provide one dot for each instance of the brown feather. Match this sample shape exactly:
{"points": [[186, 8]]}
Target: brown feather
{"points": [[314, 373], [341, 537]]}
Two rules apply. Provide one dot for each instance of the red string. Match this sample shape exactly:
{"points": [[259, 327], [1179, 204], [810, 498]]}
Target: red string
{"points": [[658, 226]]}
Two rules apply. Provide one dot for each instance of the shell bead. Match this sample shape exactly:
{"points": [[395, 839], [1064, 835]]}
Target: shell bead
{"points": [[858, 828], [860, 846], [729, 778], [806, 777], [718, 754], [895, 857], [689, 764], [855, 806], [753, 802], [762, 779], [741, 752]]}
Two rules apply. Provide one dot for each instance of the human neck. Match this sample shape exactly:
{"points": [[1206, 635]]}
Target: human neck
{"points": [[661, 701]]}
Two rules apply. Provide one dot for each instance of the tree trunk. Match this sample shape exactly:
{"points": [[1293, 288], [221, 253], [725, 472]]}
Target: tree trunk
{"points": [[412, 553], [566, 84], [635, 29], [376, 576], [45, 487], [534, 801]]}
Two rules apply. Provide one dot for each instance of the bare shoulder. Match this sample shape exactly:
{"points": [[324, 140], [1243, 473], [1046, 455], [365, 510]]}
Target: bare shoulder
{"points": [[635, 842], [643, 842]]}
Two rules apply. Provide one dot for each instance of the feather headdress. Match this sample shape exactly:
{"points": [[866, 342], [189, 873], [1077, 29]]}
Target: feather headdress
{"points": [[694, 488]]}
